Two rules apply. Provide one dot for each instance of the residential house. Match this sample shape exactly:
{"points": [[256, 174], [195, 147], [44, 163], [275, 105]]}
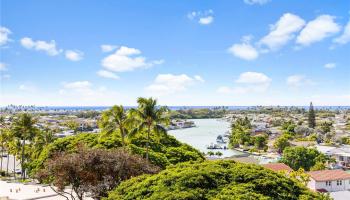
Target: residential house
{"points": [[340, 154], [278, 167], [329, 180]]}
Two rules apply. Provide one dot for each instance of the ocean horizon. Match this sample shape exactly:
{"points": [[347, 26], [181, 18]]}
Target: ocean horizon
{"points": [[101, 108]]}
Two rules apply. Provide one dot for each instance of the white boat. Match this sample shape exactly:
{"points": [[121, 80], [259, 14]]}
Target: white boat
{"points": [[214, 146]]}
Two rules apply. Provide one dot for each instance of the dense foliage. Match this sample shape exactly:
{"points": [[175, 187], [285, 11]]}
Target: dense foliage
{"points": [[200, 113], [241, 134], [93, 171], [305, 158], [213, 180], [281, 143], [163, 151]]}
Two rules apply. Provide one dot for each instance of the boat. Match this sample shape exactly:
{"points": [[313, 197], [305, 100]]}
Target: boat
{"points": [[214, 146], [220, 139]]}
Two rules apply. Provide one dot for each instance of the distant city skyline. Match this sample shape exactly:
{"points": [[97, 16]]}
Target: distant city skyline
{"points": [[197, 53]]}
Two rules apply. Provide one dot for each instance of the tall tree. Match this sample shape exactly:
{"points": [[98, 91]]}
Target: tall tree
{"points": [[114, 119], [312, 116], [93, 171], [302, 157], [42, 139], [151, 118], [2, 138], [25, 130]]}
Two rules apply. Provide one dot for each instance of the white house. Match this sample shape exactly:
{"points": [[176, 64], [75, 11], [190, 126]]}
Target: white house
{"points": [[329, 180], [341, 154]]}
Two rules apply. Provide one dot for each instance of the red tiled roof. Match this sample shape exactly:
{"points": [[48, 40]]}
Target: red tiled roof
{"points": [[329, 175], [278, 167]]}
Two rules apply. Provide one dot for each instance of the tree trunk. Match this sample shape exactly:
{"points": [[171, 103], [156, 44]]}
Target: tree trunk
{"points": [[2, 153], [8, 162], [14, 166], [22, 160], [147, 143], [123, 136]]}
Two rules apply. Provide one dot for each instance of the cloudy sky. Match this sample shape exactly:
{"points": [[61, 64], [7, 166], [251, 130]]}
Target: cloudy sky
{"points": [[244, 52]]}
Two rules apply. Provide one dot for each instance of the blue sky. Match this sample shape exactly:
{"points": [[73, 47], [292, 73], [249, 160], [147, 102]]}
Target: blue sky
{"points": [[244, 52]]}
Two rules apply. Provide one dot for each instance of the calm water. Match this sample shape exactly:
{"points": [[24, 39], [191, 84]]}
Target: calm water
{"points": [[204, 134]]}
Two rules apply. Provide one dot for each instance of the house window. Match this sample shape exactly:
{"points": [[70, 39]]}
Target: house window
{"points": [[328, 183], [339, 182]]}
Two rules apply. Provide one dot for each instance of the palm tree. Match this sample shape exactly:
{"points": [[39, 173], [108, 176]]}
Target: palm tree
{"points": [[42, 139], [150, 118], [14, 149], [5, 138], [2, 138], [25, 130], [114, 119]]}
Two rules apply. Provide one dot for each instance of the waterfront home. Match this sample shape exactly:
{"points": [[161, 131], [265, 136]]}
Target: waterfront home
{"points": [[179, 124], [329, 180], [277, 167]]}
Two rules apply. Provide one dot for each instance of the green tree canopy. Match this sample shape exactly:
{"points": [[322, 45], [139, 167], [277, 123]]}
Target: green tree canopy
{"points": [[302, 157], [213, 180], [163, 151], [281, 143]]}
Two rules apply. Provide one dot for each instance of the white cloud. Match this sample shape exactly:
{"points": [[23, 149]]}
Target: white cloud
{"points": [[345, 37], [202, 17], [248, 82], [3, 67], [206, 20], [253, 77], [127, 59], [4, 35], [282, 31], [165, 84], [199, 78], [86, 93], [77, 85], [318, 29], [330, 65], [108, 47], [260, 2], [74, 55], [49, 47], [296, 81], [244, 50], [107, 74]]}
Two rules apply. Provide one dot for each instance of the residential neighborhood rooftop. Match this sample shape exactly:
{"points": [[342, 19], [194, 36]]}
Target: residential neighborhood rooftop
{"points": [[278, 167], [329, 175]]}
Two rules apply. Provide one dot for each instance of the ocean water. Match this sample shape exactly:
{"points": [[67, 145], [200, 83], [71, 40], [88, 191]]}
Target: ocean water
{"points": [[204, 134]]}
